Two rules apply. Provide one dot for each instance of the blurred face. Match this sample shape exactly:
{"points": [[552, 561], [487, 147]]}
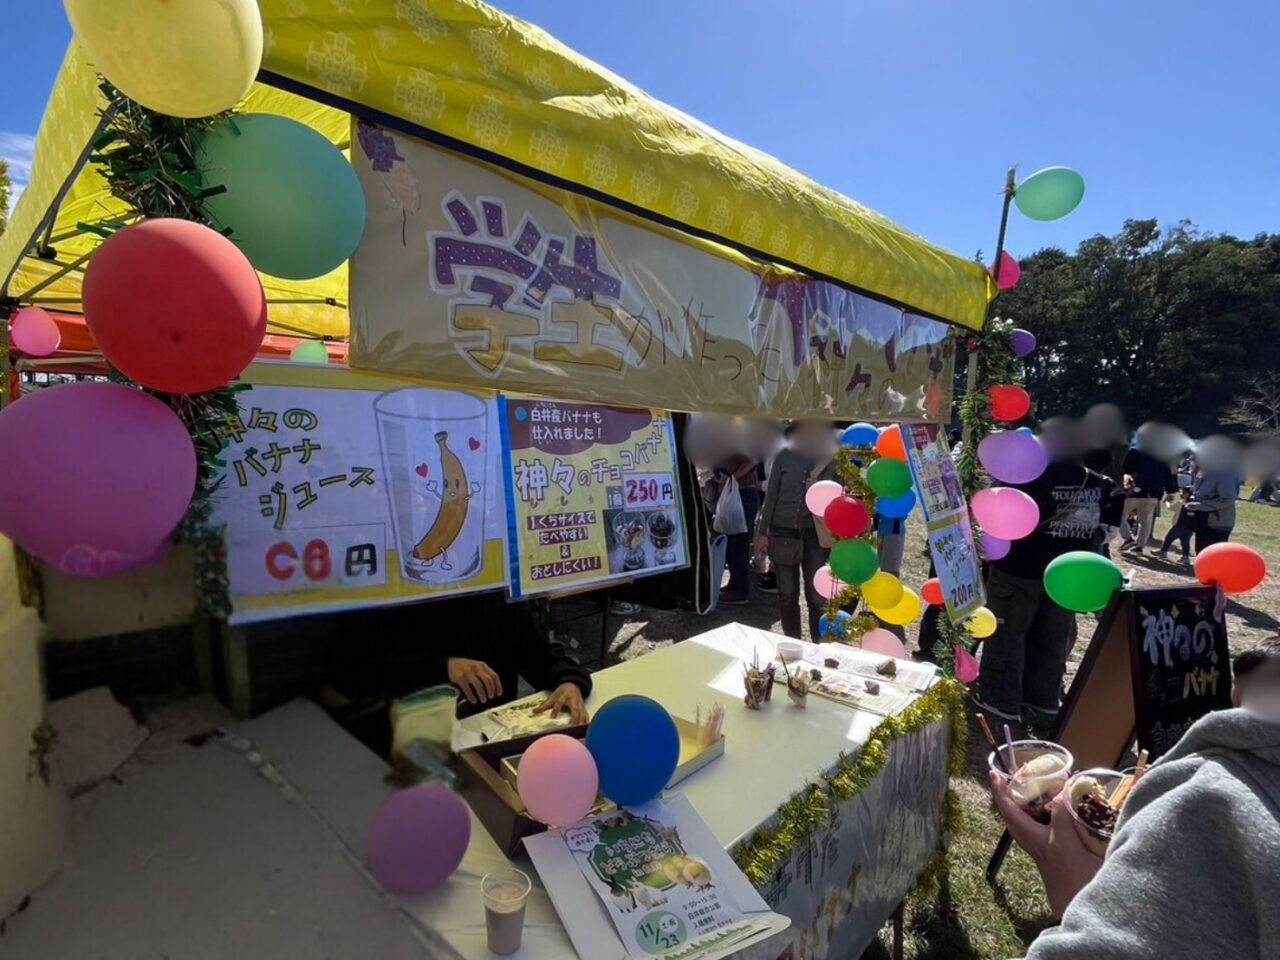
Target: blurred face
{"points": [[814, 439], [1063, 439], [1259, 690], [1105, 426]]}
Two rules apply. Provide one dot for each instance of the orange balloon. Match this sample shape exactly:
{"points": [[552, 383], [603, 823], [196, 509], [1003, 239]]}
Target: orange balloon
{"points": [[1233, 566], [889, 445], [932, 592]]}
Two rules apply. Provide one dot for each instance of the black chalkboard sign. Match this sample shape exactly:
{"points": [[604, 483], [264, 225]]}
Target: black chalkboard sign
{"points": [[1180, 662]]}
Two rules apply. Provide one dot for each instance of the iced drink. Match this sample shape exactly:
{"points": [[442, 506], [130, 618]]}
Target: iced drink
{"points": [[1040, 771], [505, 893]]}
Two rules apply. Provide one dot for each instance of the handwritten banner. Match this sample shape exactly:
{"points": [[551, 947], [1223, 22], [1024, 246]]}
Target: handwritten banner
{"points": [[946, 514], [592, 494], [473, 275], [348, 490]]}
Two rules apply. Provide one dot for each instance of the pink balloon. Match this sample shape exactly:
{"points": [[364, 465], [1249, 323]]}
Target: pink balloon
{"points": [[1005, 512], [966, 664], [97, 476], [993, 548], [558, 780], [826, 584], [882, 641], [417, 838], [1010, 271], [33, 332], [820, 496]]}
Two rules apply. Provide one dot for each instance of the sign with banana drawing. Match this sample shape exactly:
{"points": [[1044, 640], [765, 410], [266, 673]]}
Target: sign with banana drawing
{"points": [[346, 490], [592, 492]]}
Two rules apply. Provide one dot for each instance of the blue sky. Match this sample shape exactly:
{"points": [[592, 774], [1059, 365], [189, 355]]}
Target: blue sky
{"points": [[916, 107]]}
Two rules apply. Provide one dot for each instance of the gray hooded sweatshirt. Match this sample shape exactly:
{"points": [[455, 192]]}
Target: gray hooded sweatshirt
{"points": [[1194, 867]]}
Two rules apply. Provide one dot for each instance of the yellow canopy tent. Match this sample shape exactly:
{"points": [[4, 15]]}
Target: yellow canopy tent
{"points": [[464, 75]]}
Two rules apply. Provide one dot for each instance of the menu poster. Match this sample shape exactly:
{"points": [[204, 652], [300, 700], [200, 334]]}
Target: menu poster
{"points": [[946, 515], [1181, 662], [592, 494], [666, 886]]}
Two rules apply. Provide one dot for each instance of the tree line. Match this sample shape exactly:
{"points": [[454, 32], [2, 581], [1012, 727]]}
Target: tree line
{"points": [[1170, 324]]}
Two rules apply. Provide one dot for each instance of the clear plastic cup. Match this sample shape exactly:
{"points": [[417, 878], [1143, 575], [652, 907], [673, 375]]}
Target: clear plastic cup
{"points": [[1093, 831], [505, 892], [1034, 789]]}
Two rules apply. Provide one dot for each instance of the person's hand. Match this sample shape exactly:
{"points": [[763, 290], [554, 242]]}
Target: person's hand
{"points": [[762, 546], [566, 698], [475, 678], [1066, 864]]}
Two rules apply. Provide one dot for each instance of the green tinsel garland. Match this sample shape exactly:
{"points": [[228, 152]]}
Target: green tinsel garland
{"points": [[766, 851], [997, 364], [149, 161]]}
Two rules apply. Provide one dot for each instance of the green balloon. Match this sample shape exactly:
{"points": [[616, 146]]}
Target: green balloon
{"points": [[889, 478], [1082, 581], [292, 202], [309, 351], [1050, 194], [854, 561]]}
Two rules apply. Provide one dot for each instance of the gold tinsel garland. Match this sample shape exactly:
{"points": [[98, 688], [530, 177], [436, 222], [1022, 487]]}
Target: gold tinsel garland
{"points": [[764, 853]]}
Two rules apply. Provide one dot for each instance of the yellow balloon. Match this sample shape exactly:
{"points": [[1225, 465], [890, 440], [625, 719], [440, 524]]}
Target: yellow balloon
{"points": [[184, 58], [982, 623], [882, 590], [905, 611]]}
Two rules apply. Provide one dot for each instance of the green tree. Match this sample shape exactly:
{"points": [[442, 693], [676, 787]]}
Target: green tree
{"points": [[4, 194]]}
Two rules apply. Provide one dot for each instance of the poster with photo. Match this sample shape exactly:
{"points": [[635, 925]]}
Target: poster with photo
{"points": [[592, 493]]}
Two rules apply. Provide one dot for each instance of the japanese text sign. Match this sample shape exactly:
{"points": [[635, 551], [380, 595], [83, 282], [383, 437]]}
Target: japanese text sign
{"points": [[347, 490], [591, 493], [946, 514], [478, 276]]}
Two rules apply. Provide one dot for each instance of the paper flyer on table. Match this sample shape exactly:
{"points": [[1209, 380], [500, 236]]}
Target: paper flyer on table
{"points": [[876, 695], [908, 674], [650, 883]]}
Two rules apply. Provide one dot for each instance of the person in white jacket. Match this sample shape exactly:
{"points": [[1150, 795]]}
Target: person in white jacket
{"points": [[1194, 867]]}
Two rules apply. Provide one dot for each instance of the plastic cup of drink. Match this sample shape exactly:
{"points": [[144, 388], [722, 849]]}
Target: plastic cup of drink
{"points": [[1034, 791], [505, 892], [1079, 787]]}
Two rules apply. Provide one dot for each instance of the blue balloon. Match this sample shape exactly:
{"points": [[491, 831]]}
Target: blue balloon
{"points": [[1027, 430], [636, 747], [896, 508], [841, 625], [860, 435]]}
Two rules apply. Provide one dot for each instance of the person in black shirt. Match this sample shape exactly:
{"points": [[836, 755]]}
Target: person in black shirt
{"points": [[1023, 662], [1146, 481]]}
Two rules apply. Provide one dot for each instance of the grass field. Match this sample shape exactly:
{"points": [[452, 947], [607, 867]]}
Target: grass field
{"points": [[972, 920]]}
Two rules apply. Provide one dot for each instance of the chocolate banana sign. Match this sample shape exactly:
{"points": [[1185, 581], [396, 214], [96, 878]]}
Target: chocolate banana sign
{"points": [[347, 490], [476, 276]]}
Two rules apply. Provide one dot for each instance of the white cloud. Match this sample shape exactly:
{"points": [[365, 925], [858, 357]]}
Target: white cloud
{"points": [[17, 149]]}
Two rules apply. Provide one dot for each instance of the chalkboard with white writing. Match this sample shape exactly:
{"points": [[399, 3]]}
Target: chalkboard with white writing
{"points": [[1180, 661]]}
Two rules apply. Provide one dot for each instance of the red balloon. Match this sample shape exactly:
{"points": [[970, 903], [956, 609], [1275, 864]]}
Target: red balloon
{"points": [[175, 305], [1233, 566], [1009, 403], [889, 445], [847, 517], [932, 592]]}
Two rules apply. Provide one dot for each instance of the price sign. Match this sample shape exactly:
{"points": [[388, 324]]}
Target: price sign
{"points": [[643, 490], [956, 562]]}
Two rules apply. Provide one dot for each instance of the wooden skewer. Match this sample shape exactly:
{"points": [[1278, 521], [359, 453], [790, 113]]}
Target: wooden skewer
{"points": [[1128, 783], [991, 739]]}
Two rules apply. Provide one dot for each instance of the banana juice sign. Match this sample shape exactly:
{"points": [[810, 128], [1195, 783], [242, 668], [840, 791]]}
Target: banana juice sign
{"points": [[592, 494], [347, 490]]}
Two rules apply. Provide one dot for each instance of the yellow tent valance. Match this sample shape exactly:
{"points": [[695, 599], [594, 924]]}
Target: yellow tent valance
{"points": [[472, 77]]}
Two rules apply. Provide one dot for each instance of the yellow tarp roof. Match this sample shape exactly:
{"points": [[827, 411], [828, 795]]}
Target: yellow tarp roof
{"points": [[467, 75]]}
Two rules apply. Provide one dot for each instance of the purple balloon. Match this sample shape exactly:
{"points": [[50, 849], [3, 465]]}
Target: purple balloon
{"points": [[1012, 456], [95, 476], [417, 838], [993, 548], [1024, 342]]}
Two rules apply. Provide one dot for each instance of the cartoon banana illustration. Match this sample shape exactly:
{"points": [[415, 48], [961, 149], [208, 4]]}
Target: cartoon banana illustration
{"points": [[455, 500]]}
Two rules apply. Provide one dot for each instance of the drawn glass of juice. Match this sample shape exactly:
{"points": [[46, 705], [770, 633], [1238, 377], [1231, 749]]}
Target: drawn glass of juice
{"points": [[435, 455]]}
